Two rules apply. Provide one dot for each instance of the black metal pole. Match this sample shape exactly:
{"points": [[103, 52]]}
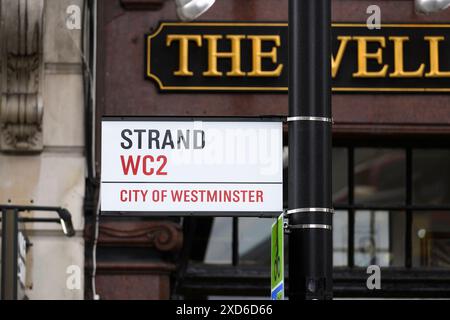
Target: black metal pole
{"points": [[310, 201]]}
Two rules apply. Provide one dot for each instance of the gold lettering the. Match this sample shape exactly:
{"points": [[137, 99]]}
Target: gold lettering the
{"points": [[259, 55], [184, 40], [234, 55]]}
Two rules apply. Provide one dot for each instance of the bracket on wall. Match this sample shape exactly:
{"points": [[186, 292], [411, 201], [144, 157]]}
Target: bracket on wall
{"points": [[21, 75], [142, 4]]}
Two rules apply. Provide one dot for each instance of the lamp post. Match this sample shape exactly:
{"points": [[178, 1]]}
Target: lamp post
{"points": [[310, 122], [310, 202]]}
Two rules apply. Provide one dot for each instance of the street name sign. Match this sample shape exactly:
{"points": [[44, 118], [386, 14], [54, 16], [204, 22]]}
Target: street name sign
{"points": [[192, 166]]}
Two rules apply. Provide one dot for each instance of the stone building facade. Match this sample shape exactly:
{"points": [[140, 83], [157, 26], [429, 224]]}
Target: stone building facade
{"points": [[42, 155]]}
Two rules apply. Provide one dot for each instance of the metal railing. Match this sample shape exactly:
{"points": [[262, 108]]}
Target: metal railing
{"points": [[10, 233]]}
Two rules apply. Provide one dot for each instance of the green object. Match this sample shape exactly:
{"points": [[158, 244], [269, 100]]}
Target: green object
{"points": [[277, 260]]}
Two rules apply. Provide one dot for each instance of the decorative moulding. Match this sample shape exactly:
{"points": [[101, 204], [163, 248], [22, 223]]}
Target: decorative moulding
{"points": [[21, 77], [164, 236]]}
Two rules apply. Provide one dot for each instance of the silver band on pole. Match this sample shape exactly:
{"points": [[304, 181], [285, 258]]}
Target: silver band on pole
{"points": [[319, 119], [314, 210], [311, 226]]}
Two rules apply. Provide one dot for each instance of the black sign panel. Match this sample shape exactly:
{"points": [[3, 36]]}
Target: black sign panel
{"points": [[210, 56]]}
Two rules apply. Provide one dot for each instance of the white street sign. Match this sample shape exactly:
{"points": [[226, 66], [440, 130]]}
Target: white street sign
{"points": [[209, 166]]}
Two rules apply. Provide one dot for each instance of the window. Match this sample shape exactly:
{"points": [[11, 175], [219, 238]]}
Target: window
{"points": [[392, 209], [396, 199]]}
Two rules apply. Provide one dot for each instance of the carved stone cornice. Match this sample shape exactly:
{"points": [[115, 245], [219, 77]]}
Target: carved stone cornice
{"points": [[164, 236], [21, 81]]}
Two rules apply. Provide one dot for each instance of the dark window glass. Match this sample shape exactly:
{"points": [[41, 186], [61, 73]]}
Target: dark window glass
{"points": [[379, 238], [431, 239], [220, 242], [380, 176], [254, 241], [340, 175], [340, 238], [431, 177]]}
